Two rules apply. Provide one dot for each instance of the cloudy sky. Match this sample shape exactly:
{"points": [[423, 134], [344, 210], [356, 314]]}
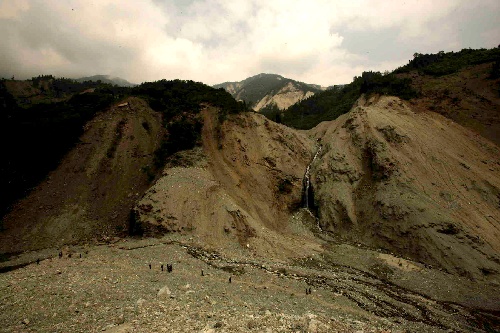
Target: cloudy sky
{"points": [[316, 41]]}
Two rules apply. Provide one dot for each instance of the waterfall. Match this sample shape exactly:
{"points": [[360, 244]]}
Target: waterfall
{"points": [[307, 180]]}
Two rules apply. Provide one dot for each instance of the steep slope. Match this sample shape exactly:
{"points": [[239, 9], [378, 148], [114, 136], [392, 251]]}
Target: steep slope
{"points": [[416, 184], [265, 90], [92, 191], [239, 192]]}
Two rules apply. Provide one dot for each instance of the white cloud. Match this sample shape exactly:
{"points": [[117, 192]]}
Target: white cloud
{"points": [[12, 9], [219, 40]]}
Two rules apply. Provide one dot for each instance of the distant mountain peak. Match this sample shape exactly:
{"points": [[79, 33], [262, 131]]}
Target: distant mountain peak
{"points": [[266, 89]]}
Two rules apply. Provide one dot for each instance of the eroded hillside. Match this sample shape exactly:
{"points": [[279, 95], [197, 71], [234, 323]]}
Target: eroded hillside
{"points": [[416, 184], [412, 183], [469, 97], [285, 97], [266, 91]]}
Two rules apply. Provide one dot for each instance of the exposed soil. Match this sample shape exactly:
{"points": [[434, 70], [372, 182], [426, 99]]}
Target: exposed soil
{"points": [[284, 98], [239, 192], [416, 184]]}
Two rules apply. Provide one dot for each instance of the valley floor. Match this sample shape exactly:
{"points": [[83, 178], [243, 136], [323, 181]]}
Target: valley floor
{"points": [[111, 288]]}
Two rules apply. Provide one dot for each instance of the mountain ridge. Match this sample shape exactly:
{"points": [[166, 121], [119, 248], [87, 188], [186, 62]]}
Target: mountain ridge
{"points": [[107, 79]]}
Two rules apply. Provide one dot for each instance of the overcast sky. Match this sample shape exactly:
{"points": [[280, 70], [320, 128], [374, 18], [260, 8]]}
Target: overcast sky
{"points": [[212, 41]]}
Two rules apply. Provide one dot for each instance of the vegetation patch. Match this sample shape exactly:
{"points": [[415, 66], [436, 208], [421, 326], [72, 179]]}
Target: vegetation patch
{"points": [[444, 63], [327, 105], [271, 111]]}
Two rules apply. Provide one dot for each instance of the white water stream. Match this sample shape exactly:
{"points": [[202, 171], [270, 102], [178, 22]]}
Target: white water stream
{"points": [[307, 180]]}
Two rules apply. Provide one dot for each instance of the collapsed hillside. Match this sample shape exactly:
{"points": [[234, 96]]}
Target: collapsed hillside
{"points": [[285, 97], [469, 97], [397, 194], [415, 184]]}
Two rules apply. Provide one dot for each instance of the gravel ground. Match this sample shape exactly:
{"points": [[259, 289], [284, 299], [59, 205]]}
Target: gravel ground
{"points": [[111, 288]]}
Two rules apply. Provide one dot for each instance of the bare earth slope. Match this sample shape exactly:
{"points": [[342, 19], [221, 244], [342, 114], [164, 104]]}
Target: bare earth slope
{"points": [[240, 191], [416, 184], [91, 193]]}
